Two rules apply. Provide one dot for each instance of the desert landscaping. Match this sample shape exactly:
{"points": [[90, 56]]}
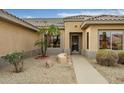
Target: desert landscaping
{"points": [[36, 72], [55, 50], [110, 64], [113, 74]]}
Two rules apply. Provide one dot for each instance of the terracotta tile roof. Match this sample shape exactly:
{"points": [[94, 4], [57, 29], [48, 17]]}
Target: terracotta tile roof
{"points": [[5, 15], [77, 18], [103, 19], [93, 18], [39, 22], [106, 18], [34, 23]]}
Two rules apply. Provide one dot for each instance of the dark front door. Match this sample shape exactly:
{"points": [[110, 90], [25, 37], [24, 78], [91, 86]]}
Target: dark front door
{"points": [[75, 44]]}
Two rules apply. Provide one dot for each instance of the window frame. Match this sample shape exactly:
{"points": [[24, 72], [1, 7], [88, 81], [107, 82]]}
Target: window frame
{"points": [[87, 35], [53, 40], [99, 38], [111, 31]]}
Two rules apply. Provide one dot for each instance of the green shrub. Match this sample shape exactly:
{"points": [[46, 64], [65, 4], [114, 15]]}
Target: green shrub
{"points": [[107, 57], [15, 59], [121, 57]]}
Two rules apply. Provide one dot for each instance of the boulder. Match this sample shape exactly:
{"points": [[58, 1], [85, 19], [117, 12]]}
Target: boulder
{"points": [[62, 58]]}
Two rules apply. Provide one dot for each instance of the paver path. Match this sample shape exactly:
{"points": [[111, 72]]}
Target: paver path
{"points": [[85, 72]]}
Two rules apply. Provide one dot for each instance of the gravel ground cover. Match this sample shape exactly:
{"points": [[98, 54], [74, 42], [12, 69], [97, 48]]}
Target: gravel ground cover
{"points": [[113, 74], [35, 72]]}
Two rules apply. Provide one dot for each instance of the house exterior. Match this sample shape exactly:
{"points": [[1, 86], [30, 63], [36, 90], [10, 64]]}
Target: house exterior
{"points": [[16, 35], [82, 34], [45, 22]]}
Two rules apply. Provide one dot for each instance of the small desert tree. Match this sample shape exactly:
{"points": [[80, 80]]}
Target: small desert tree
{"points": [[41, 43], [104, 43], [52, 30], [16, 59]]}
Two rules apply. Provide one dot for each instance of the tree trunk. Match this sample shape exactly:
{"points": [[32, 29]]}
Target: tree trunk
{"points": [[104, 44], [41, 49], [45, 45], [55, 43], [18, 66]]}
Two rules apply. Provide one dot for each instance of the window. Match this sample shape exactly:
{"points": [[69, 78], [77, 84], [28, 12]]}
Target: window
{"points": [[111, 40], [87, 40], [117, 40], [104, 40], [54, 41]]}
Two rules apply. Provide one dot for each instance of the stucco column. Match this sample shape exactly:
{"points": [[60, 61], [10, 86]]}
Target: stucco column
{"points": [[62, 39], [67, 42], [83, 43]]}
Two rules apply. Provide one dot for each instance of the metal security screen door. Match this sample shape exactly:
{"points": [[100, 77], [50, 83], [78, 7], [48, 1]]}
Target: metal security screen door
{"points": [[75, 42]]}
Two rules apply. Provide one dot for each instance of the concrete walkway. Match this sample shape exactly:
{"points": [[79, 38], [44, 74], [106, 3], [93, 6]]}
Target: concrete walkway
{"points": [[85, 72]]}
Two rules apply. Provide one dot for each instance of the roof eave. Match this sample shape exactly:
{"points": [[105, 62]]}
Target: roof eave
{"points": [[60, 27], [73, 20], [85, 24], [16, 20]]}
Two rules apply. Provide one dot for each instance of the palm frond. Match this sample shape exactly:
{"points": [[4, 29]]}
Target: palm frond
{"points": [[39, 43], [42, 30], [53, 30]]}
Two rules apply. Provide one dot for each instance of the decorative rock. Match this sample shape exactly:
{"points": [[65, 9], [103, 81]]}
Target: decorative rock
{"points": [[62, 58], [49, 63]]}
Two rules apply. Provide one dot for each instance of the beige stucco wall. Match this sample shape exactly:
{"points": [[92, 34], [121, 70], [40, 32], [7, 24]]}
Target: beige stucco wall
{"points": [[85, 38], [14, 37], [93, 34], [62, 38], [70, 27]]}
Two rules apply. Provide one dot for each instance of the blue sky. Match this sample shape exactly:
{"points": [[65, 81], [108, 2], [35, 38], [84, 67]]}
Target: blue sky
{"points": [[54, 13]]}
